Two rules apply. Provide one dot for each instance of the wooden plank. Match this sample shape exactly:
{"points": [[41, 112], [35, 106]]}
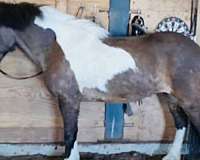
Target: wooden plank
{"points": [[61, 5], [151, 113], [198, 25], [91, 122], [98, 149], [47, 2], [92, 8]]}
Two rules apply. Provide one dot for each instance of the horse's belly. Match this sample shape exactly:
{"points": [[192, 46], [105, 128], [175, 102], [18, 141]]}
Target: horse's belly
{"points": [[89, 94]]}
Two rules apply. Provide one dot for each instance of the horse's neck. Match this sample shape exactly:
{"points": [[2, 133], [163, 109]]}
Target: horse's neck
{"points": [[36, 44]]}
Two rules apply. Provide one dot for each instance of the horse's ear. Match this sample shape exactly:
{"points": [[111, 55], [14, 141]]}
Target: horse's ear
{"points": [[7, 39]]}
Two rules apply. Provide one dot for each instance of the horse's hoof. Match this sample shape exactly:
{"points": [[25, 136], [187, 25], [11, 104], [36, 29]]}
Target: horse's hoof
{"points": [[73, 158], [171, 157]]}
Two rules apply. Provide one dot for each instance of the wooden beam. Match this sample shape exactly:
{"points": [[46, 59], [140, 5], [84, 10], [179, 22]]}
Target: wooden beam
{"points": [[198, 25], [62, 5]]}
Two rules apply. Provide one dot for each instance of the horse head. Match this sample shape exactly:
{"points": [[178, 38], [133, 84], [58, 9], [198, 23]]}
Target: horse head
{"points": [[17, 29]]}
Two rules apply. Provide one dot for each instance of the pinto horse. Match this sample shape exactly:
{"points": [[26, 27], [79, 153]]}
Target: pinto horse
{"points": [[80, 61]]}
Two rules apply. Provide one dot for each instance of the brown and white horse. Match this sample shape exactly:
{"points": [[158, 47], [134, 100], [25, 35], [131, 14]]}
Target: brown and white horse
{"points": [[80, 60]]}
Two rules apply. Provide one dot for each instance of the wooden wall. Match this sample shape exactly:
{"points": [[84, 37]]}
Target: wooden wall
{"points": [[154, 11], [92, 8]]}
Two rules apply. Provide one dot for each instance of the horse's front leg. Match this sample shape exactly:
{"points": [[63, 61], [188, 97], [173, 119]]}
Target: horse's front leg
{"points": [[61, 82], [69, 107]]}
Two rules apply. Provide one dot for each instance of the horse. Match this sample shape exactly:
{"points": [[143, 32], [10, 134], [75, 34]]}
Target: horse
{"points": [[80, 60]]}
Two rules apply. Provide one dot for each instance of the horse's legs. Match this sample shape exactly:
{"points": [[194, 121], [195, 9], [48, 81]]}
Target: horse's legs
{"points": [[180, 120], [69, 102], [68, 106], [61, 82]]}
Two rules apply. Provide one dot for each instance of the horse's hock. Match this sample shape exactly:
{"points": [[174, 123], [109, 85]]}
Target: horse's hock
{"points": [[29, 114]]}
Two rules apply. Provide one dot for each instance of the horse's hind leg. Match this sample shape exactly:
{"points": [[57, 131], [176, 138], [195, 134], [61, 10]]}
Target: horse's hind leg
{"points": [[61, 82], [180, 120]]}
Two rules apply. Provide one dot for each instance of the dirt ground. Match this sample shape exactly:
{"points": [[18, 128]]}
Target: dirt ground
{"points": [[91, 157], [127, 156]]}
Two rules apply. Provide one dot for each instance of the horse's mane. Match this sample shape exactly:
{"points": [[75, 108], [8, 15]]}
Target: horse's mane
{"points": [[18, 16]]}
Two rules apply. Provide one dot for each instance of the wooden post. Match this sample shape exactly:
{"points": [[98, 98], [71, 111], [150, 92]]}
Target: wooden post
{"points": [[198, 26], [62, 5]]}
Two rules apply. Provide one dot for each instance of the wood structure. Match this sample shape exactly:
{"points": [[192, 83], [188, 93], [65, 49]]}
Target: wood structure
{"points": [[155, 11]]}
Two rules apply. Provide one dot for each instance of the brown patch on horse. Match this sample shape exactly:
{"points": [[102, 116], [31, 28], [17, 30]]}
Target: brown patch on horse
{"points": [[131, 85], [171, 59]]}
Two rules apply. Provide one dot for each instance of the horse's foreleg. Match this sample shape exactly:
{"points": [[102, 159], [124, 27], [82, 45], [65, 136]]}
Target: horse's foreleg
{"points": [[69, 102], [69, 107], [61, 82], [180, 120]]}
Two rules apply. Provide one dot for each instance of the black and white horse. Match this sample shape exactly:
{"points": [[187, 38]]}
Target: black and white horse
{"points": [[80, 60]]}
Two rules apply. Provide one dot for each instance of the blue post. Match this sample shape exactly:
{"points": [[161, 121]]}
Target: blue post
{"points": [[114, 118], [118, 26]]}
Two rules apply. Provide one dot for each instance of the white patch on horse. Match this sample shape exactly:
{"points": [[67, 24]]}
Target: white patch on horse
{"points": [[175, 151], [74, 153], [93, 62]]}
